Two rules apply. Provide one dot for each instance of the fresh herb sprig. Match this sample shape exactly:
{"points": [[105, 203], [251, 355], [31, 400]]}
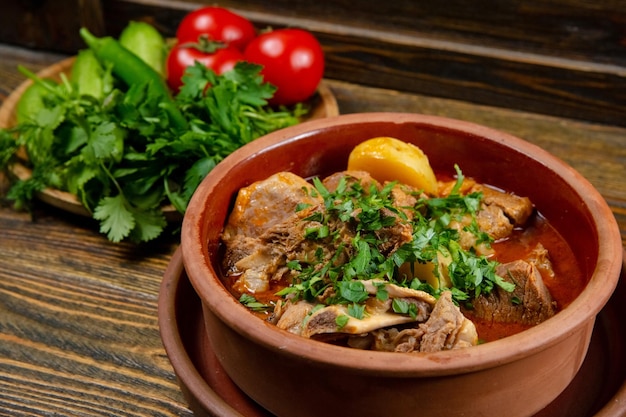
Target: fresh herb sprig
{"points": [[131, 153]]}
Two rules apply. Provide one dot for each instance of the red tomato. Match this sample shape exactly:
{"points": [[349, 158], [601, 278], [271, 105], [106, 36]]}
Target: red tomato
{"points": [[218, 24], [182, 56], [292, 60]]}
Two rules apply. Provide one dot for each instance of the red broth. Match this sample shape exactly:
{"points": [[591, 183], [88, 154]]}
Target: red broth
{"points": [[565, 285]]}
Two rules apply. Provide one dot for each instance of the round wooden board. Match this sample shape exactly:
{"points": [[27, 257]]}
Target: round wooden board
{"points": [[323, 104]]}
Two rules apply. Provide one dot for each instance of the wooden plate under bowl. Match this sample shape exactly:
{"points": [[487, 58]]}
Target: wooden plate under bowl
{"points": [[323, 104]]}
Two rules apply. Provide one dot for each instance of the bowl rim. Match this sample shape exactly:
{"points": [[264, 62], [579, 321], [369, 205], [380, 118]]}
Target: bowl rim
{"points": [[584, 308]]}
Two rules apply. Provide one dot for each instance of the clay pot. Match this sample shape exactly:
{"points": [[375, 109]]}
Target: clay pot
{"points": [[293, 376]]}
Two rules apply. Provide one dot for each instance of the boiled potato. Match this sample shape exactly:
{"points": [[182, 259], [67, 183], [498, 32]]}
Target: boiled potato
{"points": [[390, 159], [425, 272]]}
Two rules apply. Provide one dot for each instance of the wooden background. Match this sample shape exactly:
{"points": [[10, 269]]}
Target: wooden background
{"points": [[558, 57], [78, 314]]}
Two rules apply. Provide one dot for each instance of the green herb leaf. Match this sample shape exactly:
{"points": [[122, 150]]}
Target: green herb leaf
{"points": [[341, 321], [116, 219], [353, 291], [252, 303], [356, 310]]}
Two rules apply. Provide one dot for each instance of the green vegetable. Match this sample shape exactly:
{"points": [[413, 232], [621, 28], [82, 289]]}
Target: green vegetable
{"points": [[89, 76], [129, 67], [133, 71], [125, 156], [32, 100], [147, 43], [404, 307]]}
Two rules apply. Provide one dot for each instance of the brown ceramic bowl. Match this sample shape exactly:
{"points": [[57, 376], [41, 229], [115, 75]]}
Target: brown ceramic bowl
{"points": [[293, 376]]}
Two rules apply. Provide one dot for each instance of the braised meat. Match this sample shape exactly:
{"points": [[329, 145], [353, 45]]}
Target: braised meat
{"points": [[517, 209], [383, 266], [529, 303], [499, 214], [446, 329], [261, 229]]}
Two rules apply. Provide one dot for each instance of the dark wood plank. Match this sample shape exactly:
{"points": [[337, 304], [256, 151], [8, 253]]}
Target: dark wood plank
{"points": [[558, 58], [78, 327], [49, 24], [480, 75], [591, 31], [576, 29]]}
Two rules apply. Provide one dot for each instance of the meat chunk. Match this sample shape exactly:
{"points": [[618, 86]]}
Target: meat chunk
{"points": [[325, 321], [517, 209], [498, 215], [261, 208], [492, 220], [541, 258], [266, 203], [446, 328], [438, 324], [398, 340], [364, 178], [529, 303], [300, 319], [293, 316]]}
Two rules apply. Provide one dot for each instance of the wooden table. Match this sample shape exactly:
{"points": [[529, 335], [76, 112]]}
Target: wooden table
{"points": [[78, 314]]}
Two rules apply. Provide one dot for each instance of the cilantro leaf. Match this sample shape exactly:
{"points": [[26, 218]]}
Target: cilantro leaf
{"points": [[252, 303], [116, 218], [356, 310], [341, 321], [107, 141], [148, 225]]}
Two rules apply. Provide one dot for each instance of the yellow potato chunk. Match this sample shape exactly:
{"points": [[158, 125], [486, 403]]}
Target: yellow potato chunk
{"points": [[426, 272], [390, 159]]}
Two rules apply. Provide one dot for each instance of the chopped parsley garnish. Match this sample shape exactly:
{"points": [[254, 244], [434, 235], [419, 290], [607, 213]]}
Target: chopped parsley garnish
{"points": [[404, 307], [252, 303], [368, 211]]}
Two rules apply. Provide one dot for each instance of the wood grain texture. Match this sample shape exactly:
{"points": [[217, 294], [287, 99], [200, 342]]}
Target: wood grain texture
{"points": [[576, 29], [49, 24], [78, 328], [78, 314], [557, 57]]}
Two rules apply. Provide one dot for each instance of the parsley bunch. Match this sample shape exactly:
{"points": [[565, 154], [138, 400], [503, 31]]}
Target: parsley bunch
{"points": [[131, 153]]}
